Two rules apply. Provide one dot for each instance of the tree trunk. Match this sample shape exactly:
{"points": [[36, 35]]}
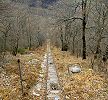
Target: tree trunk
{"points": [[17, 45], [84, 42], [64, 47], [84, 3], [15, 48], [30, 45], [73, 51]]}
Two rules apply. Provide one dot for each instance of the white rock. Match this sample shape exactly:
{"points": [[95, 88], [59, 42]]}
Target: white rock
{"points": [[55, 91], [33, 61], [41, 75], [36, 94], [31, 53], [38, 86], [57, 98], [67, 97], [74, 68]]}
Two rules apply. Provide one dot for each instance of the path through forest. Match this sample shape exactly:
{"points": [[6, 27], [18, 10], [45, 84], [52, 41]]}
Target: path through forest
{"points": [[48, 80]]}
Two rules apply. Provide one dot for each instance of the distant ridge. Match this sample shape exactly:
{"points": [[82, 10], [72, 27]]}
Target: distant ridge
{"points": [[46, 3], [37, 3]]}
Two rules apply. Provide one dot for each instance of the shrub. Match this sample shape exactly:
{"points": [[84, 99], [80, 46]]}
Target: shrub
{"points": [[21, 50]]}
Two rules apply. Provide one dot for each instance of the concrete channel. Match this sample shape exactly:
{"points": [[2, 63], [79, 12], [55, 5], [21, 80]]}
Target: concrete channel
{"points": [[50, 83]]}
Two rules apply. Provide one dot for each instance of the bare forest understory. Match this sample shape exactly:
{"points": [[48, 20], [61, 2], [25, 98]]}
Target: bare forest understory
{"points": [[86, 85], [53, 49]]}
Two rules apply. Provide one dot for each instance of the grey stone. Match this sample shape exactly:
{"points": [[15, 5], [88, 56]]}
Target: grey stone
{"points": [[56, 98], [33, 61], [74, 68]]}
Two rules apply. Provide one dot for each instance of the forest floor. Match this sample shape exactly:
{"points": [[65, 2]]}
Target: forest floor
{"points": [[10, 88], [86, 85]]}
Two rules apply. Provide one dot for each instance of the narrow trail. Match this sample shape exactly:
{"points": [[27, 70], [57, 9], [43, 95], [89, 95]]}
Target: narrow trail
{"points": [[48, 87], [53, 86]]}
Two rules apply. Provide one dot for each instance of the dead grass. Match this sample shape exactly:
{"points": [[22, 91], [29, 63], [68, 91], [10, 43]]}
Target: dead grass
{"points": [[29, 74], [86, 85]]}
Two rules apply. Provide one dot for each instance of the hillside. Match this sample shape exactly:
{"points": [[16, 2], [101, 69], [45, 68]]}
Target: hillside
{"points": [[36, 3], [53, 50], [85, 85]]}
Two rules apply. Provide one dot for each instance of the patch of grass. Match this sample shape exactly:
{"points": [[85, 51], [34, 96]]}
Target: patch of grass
{"points": [[21, 50]]}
